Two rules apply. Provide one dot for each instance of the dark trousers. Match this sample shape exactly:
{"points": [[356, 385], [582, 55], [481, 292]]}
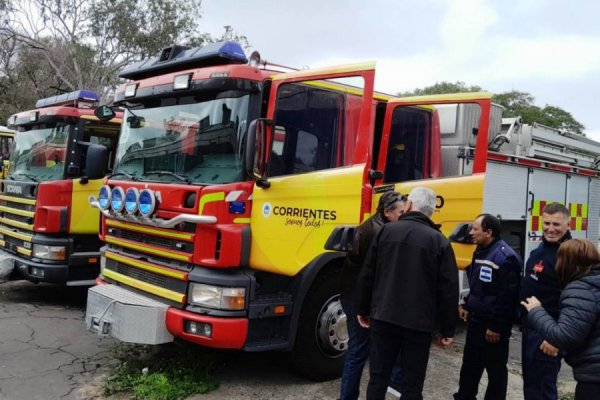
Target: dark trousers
{"points": [[587, 390], [357, 354], [478, 356], [540, 371], [388, 341]]}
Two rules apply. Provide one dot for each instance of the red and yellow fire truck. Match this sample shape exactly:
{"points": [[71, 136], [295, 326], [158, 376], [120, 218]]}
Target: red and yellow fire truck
{"points": [[230, 177], [48, 232], [7, 137]]}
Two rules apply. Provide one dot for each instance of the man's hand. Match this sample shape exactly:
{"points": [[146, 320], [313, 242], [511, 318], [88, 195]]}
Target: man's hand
{"points": [[548, 349], [491, 336], [445, 341], [364, 321], [462, 313], [530, 303]]}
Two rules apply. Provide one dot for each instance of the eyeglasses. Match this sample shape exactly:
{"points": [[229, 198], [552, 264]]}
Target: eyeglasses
{"points": [[393, 200]]}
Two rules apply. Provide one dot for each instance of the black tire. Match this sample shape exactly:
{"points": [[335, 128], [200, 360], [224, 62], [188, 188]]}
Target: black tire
{"points": [[322, 336]]}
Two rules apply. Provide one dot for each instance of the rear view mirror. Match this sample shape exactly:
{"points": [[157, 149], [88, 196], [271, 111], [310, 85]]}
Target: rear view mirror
{"points": [[258, 147], [104, 113], [343, 238], [461, 234], [96, 161]]}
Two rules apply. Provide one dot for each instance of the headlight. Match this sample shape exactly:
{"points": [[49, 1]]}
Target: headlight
{"points": [[131, 200], [117, 199], [104, 197], [218, 297], [49, 252], [146, 202]]}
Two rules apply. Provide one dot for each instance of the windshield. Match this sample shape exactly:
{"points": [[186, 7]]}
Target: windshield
{"points": [[193, 142], [39, 153]]}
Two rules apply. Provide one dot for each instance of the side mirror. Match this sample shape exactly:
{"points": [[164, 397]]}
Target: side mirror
{"points": [[96, 161], [461, 234], [105, 113], [343, 238], [257, 150]]}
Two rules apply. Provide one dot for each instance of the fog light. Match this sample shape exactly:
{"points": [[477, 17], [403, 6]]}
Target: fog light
{"points": [[198, 328], [37, 272]]}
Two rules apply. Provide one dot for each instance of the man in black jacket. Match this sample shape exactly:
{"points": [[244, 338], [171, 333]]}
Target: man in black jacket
{"points": [[540, 360], [408, 287], [494, 277]]}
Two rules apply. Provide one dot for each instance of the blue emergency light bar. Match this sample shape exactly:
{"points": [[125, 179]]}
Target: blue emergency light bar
{"points": [[68, 98], [177, 58]]}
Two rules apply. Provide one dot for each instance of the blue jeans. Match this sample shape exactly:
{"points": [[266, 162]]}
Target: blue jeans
{"points": [[357, 354], [540, 372]]}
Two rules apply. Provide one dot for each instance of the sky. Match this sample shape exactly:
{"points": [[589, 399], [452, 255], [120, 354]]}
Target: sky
{"points": [[548, 48]]}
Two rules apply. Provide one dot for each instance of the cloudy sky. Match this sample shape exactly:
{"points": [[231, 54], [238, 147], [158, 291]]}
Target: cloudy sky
{"points": [[548, 48]]}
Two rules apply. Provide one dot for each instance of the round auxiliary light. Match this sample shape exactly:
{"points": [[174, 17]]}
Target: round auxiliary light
{"points": [[117, 199], [131, 200], [104, 197], [146, 202]]}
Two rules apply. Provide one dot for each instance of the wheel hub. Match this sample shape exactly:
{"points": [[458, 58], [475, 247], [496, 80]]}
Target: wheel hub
{"points": [[332, 331]]}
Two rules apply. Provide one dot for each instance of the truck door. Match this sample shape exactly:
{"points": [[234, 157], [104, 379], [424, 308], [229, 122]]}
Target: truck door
{"points": [[321, 136], [430, 137]]}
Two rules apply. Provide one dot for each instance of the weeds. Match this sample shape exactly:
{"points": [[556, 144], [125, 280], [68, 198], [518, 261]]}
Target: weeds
{"points": [[167, 372]]}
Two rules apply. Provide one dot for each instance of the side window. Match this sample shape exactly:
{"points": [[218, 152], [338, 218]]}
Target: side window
{"points": [[103, 135], [409, 135], [308, 129]]}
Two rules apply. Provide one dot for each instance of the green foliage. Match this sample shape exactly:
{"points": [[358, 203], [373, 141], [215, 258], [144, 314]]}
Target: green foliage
{"points": [[171, 373], [515, 104], [442, 88]]}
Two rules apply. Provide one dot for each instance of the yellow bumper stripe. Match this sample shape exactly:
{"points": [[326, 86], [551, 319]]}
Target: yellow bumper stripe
{"points": [[15, 211], [16, 224], [24, 251], [147, 249], [136, 228], [147, 287], [21, 200], [21, 236], [147, 266]]}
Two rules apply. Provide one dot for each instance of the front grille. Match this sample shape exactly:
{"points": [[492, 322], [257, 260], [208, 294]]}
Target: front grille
{"points": [[141, 275], [143, 238], [15, 241], [17, 206], [19, 218], [149, 277]]}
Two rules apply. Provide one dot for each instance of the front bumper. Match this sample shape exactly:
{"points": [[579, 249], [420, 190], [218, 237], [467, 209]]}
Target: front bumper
{"points": [[134, 318], [76, 272]]}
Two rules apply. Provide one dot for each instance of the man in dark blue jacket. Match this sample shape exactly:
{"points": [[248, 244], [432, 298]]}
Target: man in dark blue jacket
{"points": [[494, 277], [540, 358]]}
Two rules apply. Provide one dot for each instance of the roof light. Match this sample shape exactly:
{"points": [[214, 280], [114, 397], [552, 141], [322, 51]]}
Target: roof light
{"points": [[130, 90], [254, 59], [181, 82], [220, 74], [221, 53], [76, 98], [33, 116]]}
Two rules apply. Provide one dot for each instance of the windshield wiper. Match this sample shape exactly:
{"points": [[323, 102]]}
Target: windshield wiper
{"points": [[28, 176], [132, 177], [182, 178]]}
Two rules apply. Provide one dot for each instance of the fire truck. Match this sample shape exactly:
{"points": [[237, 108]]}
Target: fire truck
{"points": [[237, 187], [48, 232]]}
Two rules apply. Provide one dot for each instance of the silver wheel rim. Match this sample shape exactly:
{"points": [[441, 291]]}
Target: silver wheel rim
{"points": [[332, 332]]}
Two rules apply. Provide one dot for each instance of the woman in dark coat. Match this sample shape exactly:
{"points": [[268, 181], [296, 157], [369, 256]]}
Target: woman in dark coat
{"points": [[577, 331]]}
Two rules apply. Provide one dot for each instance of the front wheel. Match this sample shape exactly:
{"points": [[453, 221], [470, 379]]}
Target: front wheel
{"points": [[322, 336]]}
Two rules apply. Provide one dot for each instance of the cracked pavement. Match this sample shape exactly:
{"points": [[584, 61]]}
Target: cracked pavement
{"points": [[45, 350]]}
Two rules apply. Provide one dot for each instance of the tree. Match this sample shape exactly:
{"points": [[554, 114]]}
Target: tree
{"points": [[86, 42], [442, 88], [515, 103]]}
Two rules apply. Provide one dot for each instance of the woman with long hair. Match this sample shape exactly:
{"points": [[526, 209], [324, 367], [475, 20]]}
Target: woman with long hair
{"points": [[577, 331]]}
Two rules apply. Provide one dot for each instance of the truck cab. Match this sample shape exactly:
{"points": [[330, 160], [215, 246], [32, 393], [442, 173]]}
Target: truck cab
{"points": [[47, 231]]}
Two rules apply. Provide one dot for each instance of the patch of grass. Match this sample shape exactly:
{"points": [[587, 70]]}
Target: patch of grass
{"points": [[167, 372]]}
